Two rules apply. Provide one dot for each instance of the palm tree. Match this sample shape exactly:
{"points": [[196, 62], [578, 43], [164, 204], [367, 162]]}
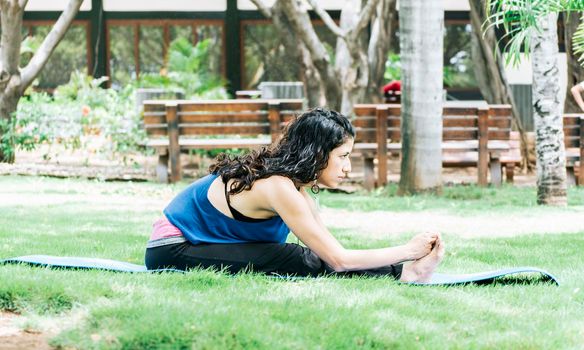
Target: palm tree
{"points": [[421, 41], [547, 114], [533, 29]]}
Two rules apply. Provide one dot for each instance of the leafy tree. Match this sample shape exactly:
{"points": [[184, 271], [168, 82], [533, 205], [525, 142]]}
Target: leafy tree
{"points": [[13, 79], [187, 70], [359, 61]]}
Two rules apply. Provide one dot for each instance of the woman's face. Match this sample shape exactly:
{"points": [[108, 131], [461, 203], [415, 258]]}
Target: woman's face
{"points": [[339, 165]]}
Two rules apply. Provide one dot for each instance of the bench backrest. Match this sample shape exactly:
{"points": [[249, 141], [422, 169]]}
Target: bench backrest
{"points": [[458, 123], [573, 130], [224, 118]]}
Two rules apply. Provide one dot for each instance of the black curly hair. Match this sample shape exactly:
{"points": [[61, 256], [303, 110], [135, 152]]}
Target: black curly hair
{"points": [[300, 155]]}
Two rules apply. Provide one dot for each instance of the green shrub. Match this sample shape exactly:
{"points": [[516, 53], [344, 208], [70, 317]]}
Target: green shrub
{"points": [[186, 70], [81, 111], [75, 115]]}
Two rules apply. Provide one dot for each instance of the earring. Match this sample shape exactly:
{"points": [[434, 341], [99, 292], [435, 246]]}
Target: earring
{"points": [[314, 188]]}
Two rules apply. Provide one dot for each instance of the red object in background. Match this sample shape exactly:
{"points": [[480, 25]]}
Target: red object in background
{"points": [[393, 86]]}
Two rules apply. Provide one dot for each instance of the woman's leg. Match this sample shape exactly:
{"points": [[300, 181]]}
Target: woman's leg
{"points": [[283, 259], [422, 269], [269, 258]]}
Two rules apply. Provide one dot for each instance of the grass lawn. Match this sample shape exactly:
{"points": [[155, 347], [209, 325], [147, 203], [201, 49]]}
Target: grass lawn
{"points": [[206, 309]]}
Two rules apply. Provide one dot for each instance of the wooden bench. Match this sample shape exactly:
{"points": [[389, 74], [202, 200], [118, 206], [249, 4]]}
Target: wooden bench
{"points": [[472, 136], [574, 143], [173, 126]]}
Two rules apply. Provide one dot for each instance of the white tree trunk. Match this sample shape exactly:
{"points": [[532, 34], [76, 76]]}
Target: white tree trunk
{"points": [[547, 115], [343, 59], [379, 44], [421, 45]]}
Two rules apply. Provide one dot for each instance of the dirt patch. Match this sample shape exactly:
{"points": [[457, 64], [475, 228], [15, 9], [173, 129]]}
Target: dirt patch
{"points": [[379, 224], [13, 337], [138, 167]]}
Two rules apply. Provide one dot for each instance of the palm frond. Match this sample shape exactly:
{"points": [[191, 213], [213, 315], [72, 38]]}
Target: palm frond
{"points": [[578, 41], [518, 18]]}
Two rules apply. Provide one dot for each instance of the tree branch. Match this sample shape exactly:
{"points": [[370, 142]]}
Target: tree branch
{"points": [[328, 21], [365, 17], [300, 22], [302, 26], [265, 10], [378, 47], [43, 53]]}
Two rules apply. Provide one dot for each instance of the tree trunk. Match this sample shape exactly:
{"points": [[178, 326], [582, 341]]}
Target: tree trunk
{"points": [[8, 104], [313, 87], [379, 44], [348, 60], [421, 45], [575, 70], [346, 82], [302, 26], [298, 52], [11, 24], [547, 117], [490, 70]]}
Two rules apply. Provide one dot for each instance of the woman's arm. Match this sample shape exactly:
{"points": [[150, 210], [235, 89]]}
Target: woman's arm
{"points": [[576, 91], [296, 212], [313, 208]]}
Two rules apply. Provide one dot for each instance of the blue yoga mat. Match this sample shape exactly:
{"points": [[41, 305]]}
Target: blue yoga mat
{"points": [[508, 274]]}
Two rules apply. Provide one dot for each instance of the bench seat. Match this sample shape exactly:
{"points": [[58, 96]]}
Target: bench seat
{"points": [[162, 144]]}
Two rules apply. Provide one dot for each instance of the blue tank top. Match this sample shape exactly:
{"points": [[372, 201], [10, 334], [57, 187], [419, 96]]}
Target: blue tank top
{"points": [[200, 222]]}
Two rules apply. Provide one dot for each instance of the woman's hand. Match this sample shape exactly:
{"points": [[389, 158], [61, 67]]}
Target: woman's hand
{"points": [[421, 244]]}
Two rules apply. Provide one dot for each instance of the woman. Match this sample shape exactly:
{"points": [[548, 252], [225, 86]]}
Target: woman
{"points": [[238, 216]]}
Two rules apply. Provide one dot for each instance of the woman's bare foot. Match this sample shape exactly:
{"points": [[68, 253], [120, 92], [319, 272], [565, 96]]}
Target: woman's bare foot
{"points": [[422, 269]]}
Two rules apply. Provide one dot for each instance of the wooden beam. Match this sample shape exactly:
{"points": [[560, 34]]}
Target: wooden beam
{"points": [[97, 40], [173, 146], [232, 46], [483, 143], [581, 170], [381, 126]]}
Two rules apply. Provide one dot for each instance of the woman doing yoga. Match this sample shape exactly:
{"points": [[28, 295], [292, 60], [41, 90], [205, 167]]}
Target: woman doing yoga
{"points": [[239, 216]]}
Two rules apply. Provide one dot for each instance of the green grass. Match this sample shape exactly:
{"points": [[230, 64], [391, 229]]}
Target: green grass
{"points": [[206, 309], [456, 199]]}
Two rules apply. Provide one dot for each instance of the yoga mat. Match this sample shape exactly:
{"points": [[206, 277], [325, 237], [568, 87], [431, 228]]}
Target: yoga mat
{"points": [[507, 274]]}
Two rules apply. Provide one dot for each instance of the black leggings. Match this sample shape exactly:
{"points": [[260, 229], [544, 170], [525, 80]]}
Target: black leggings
{"points": [[269, 258]]}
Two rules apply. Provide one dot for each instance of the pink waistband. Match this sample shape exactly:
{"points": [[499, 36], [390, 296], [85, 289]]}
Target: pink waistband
{"points": [[162, 228]]}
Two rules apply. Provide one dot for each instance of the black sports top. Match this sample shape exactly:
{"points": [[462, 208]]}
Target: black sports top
{"points": [[236, 214]]}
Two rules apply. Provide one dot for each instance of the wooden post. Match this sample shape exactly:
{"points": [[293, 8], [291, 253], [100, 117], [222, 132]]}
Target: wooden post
{"points": [[162, 167], [368, 174], [581, 170], [173, 146], [381, 127], [233, 49], [509, 172], [570, 178], [495, 169], [483, 161], [275, 120]]}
